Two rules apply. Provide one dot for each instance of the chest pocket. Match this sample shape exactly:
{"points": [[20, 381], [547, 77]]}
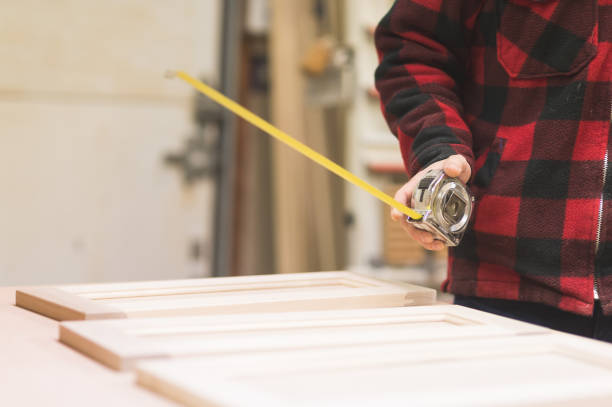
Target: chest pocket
{"points": [[546, 37]]}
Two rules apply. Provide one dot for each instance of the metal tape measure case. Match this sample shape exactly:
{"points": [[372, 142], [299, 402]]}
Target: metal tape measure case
{"points": [[446, 206]]}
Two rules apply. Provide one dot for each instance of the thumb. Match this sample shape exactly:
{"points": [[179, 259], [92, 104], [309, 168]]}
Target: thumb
{"points": [[456, 166]]}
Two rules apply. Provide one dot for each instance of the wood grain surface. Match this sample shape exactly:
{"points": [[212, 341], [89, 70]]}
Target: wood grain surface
{"points": [[226, 295]]}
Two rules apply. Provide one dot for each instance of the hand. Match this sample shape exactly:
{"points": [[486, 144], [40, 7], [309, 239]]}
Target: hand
{"points": [[455, 166]]}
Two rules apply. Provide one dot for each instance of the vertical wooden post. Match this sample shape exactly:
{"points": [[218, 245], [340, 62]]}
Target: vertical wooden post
{"points": [[287, 112], [319, 185]]}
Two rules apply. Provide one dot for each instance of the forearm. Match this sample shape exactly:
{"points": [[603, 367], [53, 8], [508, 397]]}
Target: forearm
{"points": [[422, 66]]}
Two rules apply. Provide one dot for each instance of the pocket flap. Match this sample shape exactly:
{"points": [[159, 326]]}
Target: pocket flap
{"points": [[546, 38]]}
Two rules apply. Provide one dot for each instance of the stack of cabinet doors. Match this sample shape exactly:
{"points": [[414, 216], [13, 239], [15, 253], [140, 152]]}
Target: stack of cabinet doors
{"points": [[321, 339]]}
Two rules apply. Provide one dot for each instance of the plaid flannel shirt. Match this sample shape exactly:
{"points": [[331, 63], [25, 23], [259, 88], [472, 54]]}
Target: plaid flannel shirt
{"points": [[522, 89]]}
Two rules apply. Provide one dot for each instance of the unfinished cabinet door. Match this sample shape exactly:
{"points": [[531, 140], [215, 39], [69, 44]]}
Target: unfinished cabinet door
{"points": [[121, 343], [530, 370], [226, 295]]}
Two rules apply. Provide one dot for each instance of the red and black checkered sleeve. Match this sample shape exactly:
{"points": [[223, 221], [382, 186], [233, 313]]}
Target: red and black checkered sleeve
{"points": [[423, 47]]}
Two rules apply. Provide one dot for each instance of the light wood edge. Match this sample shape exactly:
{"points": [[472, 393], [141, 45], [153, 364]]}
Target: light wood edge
{"points": [[60, 305], [429, 294], [89, 348], [241, 287], [274, 341], [593, 401], [118, 334], [262, 317], [591, 351], [389, 282], [309, 300], [57, 304], [108, 342], [114, 352], [135, 285], [451, 311], [319, 358], [111, 347], [423, 296], [171, 391], [520, 327]]}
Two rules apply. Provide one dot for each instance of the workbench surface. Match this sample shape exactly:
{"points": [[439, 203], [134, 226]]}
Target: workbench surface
{"points": [[37, 370]]}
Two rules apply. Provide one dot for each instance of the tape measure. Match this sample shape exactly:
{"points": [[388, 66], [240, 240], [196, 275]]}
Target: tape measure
{"points": [[293, 143]]}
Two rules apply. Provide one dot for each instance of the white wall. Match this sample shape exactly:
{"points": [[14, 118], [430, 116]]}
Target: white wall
{"points": [[85, 119]]}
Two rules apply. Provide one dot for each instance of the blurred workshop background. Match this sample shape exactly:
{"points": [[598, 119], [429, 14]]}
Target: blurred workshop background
{"points": [[110, 172]]}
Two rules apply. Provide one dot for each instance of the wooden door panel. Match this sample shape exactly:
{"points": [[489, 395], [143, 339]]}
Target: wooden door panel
{"points": [[122, 343], [528, 370], [244, 294]]}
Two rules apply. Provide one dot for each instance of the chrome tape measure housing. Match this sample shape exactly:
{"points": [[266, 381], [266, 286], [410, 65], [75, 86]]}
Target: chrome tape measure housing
{"points": [[446, 206]]}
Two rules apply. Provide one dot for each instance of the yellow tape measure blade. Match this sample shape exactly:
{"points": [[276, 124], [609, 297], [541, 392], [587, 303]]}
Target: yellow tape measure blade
{"points": [[291, 142]]}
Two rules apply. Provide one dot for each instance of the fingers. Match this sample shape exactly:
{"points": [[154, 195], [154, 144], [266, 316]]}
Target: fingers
{"points": [[422, 237], [456, 166], [436, 246], [403, 195]]}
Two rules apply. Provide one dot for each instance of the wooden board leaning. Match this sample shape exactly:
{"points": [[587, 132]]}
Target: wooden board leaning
{"points": [[224, 295], [120, 344]]}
